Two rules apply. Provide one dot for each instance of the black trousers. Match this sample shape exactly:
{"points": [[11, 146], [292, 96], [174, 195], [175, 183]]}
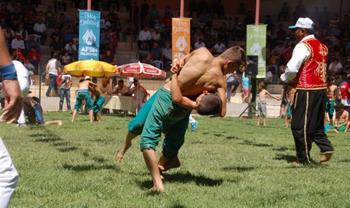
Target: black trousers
{"points": [[308, 123]]}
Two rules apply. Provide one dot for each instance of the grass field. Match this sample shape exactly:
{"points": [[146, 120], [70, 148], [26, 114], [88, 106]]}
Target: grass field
{"points": [[225, 163]]}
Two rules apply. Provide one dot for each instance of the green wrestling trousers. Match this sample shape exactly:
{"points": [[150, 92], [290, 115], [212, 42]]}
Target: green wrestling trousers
{"points": [[163, 116]]}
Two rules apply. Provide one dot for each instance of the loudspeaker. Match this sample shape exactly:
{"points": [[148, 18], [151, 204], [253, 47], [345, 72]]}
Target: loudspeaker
{"points": [[252, 65]]}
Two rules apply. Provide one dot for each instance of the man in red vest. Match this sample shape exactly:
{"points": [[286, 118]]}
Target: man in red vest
{"points": [[306, 71]]}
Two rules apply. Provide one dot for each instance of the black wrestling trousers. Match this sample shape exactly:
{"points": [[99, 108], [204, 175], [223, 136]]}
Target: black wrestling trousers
{"points": [[308, 123]]}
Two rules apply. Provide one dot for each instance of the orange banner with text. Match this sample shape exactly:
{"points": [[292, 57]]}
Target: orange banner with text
{"points": [[181, 37]]}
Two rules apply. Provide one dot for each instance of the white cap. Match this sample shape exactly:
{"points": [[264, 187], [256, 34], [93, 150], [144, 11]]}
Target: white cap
{"points": [[305, 23], [87, 78]]}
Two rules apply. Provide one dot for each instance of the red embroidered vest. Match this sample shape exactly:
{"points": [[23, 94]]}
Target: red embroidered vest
{"points": [[312, 74]]}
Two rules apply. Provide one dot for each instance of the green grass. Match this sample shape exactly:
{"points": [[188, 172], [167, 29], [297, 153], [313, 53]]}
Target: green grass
{"points": [[226, 163]]}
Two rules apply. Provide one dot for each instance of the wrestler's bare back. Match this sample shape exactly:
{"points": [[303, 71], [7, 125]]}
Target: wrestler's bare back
{"points": [[199, 73], [84, 85]]}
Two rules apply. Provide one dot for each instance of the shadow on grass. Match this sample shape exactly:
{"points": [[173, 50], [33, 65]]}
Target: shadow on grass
{"points": [[288, 158], [183, 178], [345, 161], [238, 169], [48, 139], [189, 177], [280, 149], [234, 137], [177, 205], [113, 128], [89, 167], [247, 142], [99, 159], [67, 149], [196, 142]]}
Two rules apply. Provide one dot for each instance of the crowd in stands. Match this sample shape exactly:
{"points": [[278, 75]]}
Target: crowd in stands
{"points": [[28, 29]]}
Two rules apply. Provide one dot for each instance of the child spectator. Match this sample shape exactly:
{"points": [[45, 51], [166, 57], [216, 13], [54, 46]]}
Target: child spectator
{"points": [[262, 111], [140, 94], [289, 106], [341, 121], [332, 96]]}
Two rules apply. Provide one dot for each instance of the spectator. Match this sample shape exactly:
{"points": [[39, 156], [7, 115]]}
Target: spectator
{"points": [[65, 91], [155, 35], [109, 57], [156, 51], [34, 57], [17, 42], [53, 68], [335, 67], [31, 42], [219, 47], [144, 38], [70, 47], [167, 55], [40, 30], [345, 93], [120, 89], [199, 43], [66, 58], [140, 94]]}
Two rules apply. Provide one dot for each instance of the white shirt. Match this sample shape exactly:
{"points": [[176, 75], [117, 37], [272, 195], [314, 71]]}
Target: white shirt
{"points": [[199, 44], [300, 54], [145, 35], [335, 67], [53, 65], [219, 47], [17, 43], [39, 27]]}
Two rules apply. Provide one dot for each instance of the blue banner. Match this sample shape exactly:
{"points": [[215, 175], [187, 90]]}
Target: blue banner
{"points": [[89, 34]]}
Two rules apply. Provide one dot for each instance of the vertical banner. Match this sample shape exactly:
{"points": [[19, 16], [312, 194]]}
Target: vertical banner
{"points": [[181, 37], [256, 46], [89, 34]]}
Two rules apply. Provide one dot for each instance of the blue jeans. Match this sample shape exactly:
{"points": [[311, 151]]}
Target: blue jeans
{"points": [[53, 85], [64, 93], [38, 114]]}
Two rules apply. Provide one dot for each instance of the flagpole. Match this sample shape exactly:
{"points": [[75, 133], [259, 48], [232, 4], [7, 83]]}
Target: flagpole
{"points": [[257, 11], [88, 4], [182, 8]]}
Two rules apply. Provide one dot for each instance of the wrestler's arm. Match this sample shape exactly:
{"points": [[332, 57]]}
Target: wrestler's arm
{"points": [[274, 97], [177, 97], [221, 92], [179, 63], [11, 89]]}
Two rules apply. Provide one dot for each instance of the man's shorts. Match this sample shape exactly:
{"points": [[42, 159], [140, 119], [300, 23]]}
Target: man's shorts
{"points": [[262, 112], [83, 95], [289, 111], [169, 118]]}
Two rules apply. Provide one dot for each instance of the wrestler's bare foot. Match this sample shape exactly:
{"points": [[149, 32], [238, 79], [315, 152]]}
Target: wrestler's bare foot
{"points": [[164, 164], [325, 157], [156, 189], [119, 156]]}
